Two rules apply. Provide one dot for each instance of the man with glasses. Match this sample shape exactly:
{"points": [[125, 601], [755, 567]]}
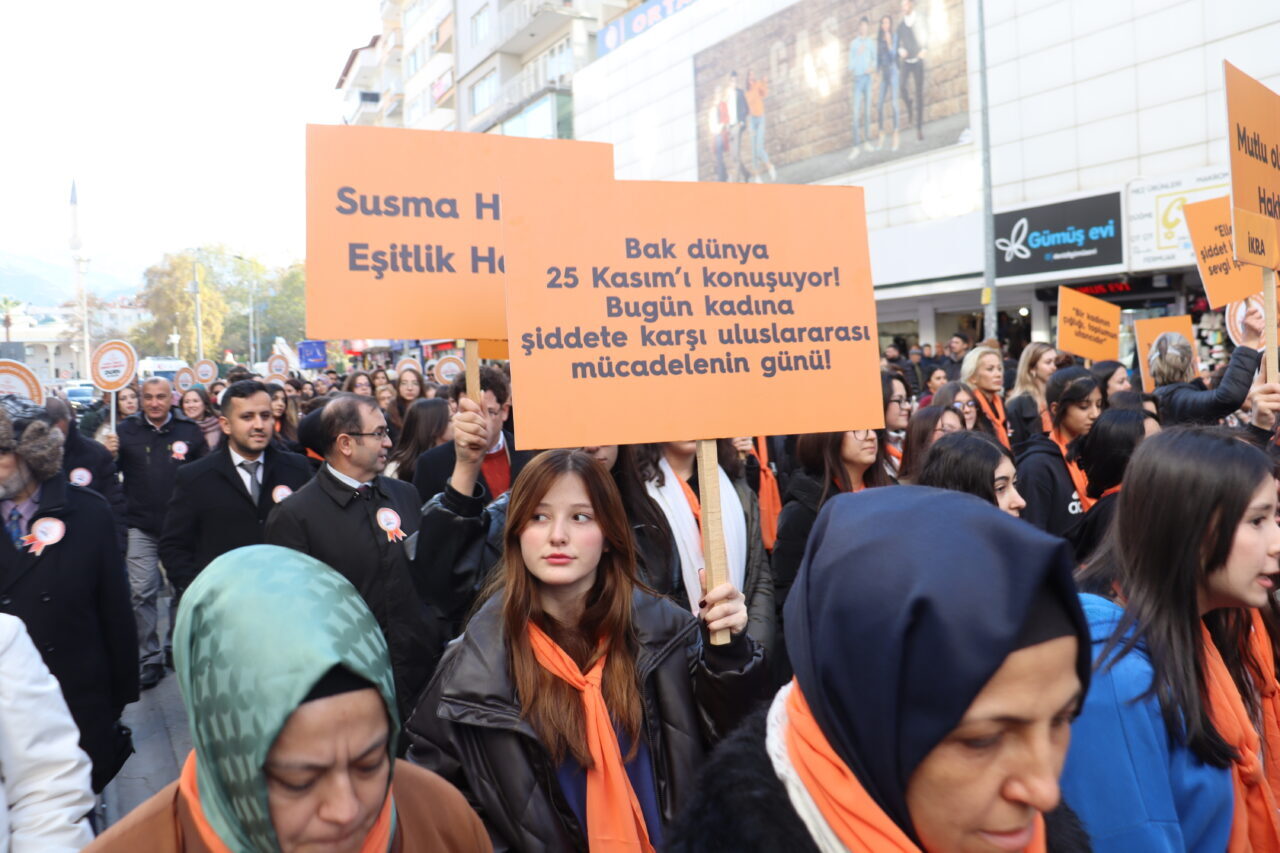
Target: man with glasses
{"points": [[354, 519]]}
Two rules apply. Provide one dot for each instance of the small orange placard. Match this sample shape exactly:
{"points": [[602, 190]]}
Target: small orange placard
{"points": [[1225, 279], [1146, 331], [113, 365], [404, 227], [1253, 140], [1087, 326], [666, 311], [17, 378]]}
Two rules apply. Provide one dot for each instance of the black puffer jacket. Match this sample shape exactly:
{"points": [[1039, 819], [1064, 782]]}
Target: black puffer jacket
{"points": [[1183, 403], [740, 805], [468, 728]]}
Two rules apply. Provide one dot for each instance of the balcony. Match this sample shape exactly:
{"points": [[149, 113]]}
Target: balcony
{"points": [[442, 36], [523, 24], [442, 89], [363, 108], [533, 81], [362, 71]]}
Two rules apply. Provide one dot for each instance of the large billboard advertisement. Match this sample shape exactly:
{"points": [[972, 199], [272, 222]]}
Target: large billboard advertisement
{"points": [[825, 87]]}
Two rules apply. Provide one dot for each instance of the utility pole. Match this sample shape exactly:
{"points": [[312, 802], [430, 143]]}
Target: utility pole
{"points": [[82, 291], [195, 291], [990, 321]]}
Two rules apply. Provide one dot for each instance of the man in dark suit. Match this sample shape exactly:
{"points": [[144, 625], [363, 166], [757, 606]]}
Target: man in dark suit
{"points": [[502, 462], [355, 520], [221, 502], [62, 574]]}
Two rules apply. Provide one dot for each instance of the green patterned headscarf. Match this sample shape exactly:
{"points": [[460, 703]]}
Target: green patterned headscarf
{"points": [[255, 632]]}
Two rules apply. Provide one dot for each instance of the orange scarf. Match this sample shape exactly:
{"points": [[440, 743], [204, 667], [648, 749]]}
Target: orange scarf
{"points": [[848, 809], [1078, 479], [1269, 695], [1046, 422], [694, 503], [377, 841], [1255, 827], [1114, 490], [615, 823], [996, 418], [770, 496]]}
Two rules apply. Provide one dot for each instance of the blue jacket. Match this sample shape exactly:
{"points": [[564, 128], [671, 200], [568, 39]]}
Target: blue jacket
{"points": [[1134, 786]]}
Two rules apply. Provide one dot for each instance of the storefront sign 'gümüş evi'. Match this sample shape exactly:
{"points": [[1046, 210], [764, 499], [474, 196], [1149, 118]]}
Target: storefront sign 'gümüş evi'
{"points": [[1052, 239]]}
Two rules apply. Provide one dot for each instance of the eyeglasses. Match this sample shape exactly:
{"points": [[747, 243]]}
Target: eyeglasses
{"points": [[959, 407], [379, 433], [900, 401], [864, 434]]}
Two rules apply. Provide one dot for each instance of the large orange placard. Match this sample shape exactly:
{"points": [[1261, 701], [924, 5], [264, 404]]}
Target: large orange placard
{"points": [[1253, 139], [1087, 326], [404, 227], [1225, 279], [670, 311], [1145, 333]]}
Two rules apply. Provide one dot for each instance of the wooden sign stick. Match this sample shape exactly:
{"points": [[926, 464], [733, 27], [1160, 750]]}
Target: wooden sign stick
{"points": [[717, 563], [1269, 320], [472, 358]]}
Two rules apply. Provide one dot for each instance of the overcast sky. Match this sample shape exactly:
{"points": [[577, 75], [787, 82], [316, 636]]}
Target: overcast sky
{"points": [[182, 122]]}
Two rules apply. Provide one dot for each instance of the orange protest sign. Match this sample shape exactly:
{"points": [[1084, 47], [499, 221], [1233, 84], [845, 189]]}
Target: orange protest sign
{"points": [[665, 311], [1225, 279], [1253, 137], [495, 349], [1146, 331], [415, 217], [17, 378], [113, 365], [1087, 326]]}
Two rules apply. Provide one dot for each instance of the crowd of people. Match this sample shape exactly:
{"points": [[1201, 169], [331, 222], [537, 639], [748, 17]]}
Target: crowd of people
{"points": [[1035, 611]]}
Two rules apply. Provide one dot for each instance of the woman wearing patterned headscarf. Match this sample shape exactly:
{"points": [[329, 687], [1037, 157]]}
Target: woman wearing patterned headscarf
{"points": [[289, 695]]}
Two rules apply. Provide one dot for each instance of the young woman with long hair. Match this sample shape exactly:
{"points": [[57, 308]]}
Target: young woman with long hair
{"points": [[426, 425], [975, 463], [1053, 485], [670, 474], [408, 387], [1028, 411], [1112, 378], [1165, 754], [577, 708], [935, 378], [358, 382], [1103, 454], [285, 410], [983, 372], [927, 425], [197, 406], [379, 378], [960, 397]]}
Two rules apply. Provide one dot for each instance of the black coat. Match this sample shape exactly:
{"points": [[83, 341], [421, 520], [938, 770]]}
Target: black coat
{"points": [[1023, 415], [435, 466], [329, 521], [468, 726], [1183, 403], [74, 599], [1043, 482], [211, 512], [1088, 532], [740, 805], [800, 507], [149, 464], [89, 464]]}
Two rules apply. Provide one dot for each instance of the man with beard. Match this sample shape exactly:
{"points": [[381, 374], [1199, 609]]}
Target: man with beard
{"points": [[354, 519], [222, 502], [62, 574]]}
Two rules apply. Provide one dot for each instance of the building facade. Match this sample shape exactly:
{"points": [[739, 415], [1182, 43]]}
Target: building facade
{"points": [[1105, 118]]}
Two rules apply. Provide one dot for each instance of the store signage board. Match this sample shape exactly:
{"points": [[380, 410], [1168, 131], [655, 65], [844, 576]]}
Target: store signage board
{"points": [[1154, 216], [1070, 238]]}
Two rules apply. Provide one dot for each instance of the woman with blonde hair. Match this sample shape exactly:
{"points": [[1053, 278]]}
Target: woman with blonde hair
{"points": [[1028, 412], [983, 371]]}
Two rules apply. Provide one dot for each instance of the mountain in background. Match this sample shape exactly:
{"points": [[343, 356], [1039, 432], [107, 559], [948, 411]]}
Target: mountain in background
{"points": [[44, 284]]}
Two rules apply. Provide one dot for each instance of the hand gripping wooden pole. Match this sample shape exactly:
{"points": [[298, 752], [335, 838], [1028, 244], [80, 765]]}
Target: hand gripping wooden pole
{"points": [[472, 358], [717, 563], [1269, 321]]}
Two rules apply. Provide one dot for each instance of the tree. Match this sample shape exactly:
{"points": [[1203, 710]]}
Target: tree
{"points": [[7, 304], [166, 295]]}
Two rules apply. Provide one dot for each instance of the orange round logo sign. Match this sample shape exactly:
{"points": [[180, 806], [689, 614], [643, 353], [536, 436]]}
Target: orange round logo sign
{"points": [[450, 368], [17, 378], [278, 364], [185, 379], [206, 371], [113, 365]]}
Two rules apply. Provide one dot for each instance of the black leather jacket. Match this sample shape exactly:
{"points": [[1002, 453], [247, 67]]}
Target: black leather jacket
{"points": [[469, 729]]}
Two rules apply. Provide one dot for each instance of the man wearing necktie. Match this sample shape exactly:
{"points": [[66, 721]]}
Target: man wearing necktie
{"points": [[222, 501]]}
